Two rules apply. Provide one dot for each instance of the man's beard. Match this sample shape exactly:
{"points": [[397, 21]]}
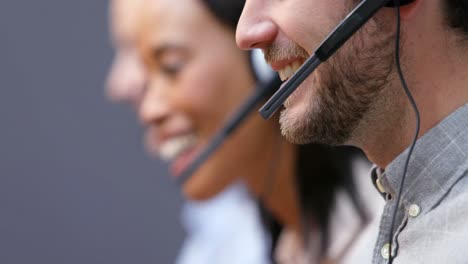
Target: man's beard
{"points": [[344, 91]]}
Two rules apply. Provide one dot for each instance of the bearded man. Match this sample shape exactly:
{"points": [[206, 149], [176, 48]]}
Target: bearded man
{"points": [[356, 98]]}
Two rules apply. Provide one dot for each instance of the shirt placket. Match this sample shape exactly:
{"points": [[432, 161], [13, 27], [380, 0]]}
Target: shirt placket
{"points": [[382, 247]]}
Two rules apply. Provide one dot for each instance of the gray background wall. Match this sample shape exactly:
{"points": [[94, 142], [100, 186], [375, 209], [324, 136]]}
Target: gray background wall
{"points": [[75, 183]]}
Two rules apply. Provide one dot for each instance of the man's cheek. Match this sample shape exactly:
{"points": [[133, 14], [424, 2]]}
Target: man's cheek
{"points": [[310, 25]]}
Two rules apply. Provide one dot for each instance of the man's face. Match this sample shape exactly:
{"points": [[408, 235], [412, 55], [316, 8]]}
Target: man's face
{"points": [[334, 103]]}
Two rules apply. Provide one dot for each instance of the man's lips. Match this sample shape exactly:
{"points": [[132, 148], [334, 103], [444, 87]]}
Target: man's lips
{"points": [[287, 68], [278, 65]]}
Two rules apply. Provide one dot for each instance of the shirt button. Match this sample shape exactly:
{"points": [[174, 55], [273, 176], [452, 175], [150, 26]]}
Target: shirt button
{"points": [[379, 186], [385, 251], [414, 210]]}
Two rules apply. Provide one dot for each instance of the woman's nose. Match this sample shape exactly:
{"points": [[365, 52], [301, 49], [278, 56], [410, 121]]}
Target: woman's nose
{"points": [[154, 107], [127, 80]]}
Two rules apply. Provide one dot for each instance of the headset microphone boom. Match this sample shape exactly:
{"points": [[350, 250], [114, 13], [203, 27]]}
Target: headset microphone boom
{"points": [[352, 23]]}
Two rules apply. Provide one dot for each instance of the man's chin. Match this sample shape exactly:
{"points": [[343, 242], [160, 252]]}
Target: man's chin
{"points": [[298, 97], [299, 127], [292, 125]]}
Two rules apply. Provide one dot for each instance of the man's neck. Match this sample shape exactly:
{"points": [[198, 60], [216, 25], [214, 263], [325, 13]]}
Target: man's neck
{"points": [[439, 83]]}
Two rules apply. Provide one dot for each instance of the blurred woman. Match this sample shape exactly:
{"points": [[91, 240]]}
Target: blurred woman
{"points": [[197, 78], [226, 228]]}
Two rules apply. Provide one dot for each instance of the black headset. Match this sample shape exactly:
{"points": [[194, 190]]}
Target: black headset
{"points": [[268, 83], [348, 26], [352, 23]]}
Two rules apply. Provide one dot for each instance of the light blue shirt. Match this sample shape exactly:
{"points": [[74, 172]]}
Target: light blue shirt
{"points": [[224, 230]]}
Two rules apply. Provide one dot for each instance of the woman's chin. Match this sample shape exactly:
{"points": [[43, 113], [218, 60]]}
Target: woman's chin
{"points": [[210, 179], [182, 161], [198, 190]]}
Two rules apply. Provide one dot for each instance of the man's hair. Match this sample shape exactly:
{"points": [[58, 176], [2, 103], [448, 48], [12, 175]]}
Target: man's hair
{"points": [[456, 13]]}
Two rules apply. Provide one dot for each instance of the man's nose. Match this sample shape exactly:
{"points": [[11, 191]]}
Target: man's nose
{"points": [[255, 29]]}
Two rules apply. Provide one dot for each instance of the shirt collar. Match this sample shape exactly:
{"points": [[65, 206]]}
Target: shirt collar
{"points": [[439, 159]]}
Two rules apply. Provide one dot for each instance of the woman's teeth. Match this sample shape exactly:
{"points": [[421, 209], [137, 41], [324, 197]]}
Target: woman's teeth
{"points": [[289, 70], [175, 146]]}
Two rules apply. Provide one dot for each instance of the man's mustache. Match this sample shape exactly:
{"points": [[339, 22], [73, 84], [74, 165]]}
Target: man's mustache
{"points": [[281, 51]]}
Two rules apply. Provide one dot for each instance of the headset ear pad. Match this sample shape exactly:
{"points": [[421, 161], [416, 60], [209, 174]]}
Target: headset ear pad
{"points": [[391, 3], [261, 70]]}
